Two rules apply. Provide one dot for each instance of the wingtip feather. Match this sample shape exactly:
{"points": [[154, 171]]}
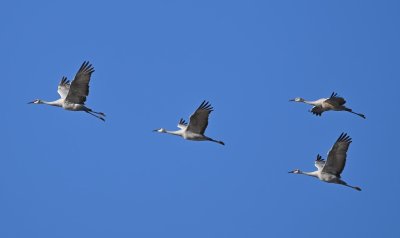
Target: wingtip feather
{"points": [[344, 138], [86, 67], [206, 106]]}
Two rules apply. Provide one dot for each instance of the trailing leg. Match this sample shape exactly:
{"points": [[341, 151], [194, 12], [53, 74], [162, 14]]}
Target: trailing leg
{"points": [[345, 184], [91, 113], [216, 141], [351, 111], [99, 113]]}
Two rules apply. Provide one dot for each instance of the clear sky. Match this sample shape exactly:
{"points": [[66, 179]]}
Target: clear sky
{"points": [[67, 174]]}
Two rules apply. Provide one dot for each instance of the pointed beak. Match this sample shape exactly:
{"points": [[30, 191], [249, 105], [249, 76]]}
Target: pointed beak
{"points": [[31, 102], [290, 172], [154, 130], [291, 100]]}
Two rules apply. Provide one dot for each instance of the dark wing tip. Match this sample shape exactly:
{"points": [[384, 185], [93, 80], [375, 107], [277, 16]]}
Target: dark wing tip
{"points": [[64, 81], [316, 113], [344, 138], [86, 67], [319, 158], [183, 122], [206, 105]]}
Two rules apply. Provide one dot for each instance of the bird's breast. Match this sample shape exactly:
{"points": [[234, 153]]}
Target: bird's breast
{"points": [[330, 178], [72, 106], [192, 136]]}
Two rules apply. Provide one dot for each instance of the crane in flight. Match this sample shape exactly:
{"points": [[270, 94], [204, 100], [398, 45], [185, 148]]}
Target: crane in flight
{"points": [[333, 103], [196, 127], [329, 171], [73, 94]]}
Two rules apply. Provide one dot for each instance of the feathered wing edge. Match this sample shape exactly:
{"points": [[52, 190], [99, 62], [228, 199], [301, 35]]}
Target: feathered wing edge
{"points": [[344, 138], [205, 105], [64, 81], [182, 122]]}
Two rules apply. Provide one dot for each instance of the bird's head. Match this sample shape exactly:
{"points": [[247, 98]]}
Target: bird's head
{"points": [[297, 100], [37, 101], [296, 171], [161, 130]]}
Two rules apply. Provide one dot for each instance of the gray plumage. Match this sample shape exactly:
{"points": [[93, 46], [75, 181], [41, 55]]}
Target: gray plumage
{"points": [[79, 88], [330, 170], [73, 94], [197, 125], [333, 103]]}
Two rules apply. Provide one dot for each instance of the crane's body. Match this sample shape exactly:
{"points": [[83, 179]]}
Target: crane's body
{"points": [[196, 127], [64, 104], [188, 135], [329, 171], [73, 94], [325, 177], [333, 103]]}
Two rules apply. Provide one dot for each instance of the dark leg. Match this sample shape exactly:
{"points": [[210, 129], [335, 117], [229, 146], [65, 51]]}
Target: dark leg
{"points": [[216, 141], [90, 110], [345, 184], [99, 113], [351, 111], [91, 113]]}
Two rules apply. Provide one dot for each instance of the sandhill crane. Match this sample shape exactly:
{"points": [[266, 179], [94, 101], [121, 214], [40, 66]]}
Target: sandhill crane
{"points": [[334, 103], [73, 94], [330, 170], [196, 127]]}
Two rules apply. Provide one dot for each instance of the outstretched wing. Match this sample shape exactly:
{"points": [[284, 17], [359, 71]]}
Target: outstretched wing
{"points": [[182, 124], [79, 88], [63, 87], [335, 100], [337, 155], [319, 162], [199, 119], [317, 110]]}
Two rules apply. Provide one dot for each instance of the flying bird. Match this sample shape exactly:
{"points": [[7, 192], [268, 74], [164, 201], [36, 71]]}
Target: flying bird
{"points": [[73, 94], [329, 171], [334, 103], [196, 127]]}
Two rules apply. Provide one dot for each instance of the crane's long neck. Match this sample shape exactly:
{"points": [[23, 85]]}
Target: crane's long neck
{"points": [[177, 133], [312, 174], [314, 103], [56, 103]]}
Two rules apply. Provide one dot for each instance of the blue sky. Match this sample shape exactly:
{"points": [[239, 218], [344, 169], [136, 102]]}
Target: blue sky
{"points": [[67, 174]]}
